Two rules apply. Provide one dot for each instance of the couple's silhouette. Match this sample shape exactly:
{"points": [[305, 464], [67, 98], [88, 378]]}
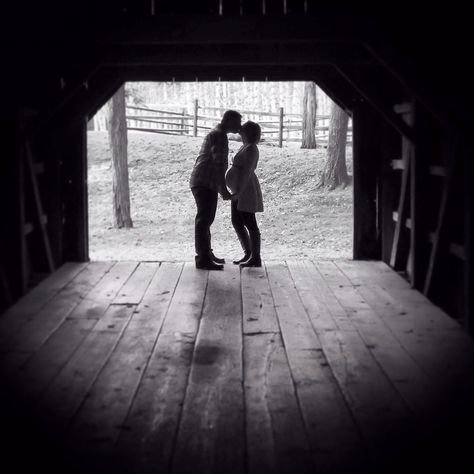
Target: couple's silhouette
{"points": [[239, 183]]}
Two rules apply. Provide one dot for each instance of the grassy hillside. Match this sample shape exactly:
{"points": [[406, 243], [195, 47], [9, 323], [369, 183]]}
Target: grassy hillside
{"points": [[299, 220]]}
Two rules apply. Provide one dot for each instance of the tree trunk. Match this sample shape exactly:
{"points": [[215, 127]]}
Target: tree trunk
{"points": [[310, 106], [117, 127], [335, 170]]}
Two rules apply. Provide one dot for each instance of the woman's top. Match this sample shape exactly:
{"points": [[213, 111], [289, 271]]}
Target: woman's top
{"points": [[242, 180]]}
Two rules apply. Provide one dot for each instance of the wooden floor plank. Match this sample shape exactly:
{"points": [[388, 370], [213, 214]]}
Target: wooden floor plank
{"points": [[258, 308], [40, 367], [304, 367], [106, 290], [327, 313], [445, 354], [100, 419], [276, 436], [419, 326], [380, 275], [185, 313], [46, 362], [378, 271], [37, 298], [147, 437], [211, 432], [335, 443], [387, 424], [134, 288], [405, 374], [11, 363], [66, 393], [35, 331]]}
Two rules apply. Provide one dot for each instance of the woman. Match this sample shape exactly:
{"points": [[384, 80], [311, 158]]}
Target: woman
{"points": [[246, 195]]}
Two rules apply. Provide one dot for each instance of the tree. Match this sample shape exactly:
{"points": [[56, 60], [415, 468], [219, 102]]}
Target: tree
{"points": [[117, 127], [310, 107], [335, 170]]}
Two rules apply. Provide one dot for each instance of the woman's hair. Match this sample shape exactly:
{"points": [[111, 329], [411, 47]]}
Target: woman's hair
{"points": [[252, 131]]}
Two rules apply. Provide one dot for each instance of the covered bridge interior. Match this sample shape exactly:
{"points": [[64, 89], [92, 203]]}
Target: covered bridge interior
{"points": [[296, 367]]}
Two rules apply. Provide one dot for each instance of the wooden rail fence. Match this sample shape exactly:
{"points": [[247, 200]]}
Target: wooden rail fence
{"points": [[277, 127]]}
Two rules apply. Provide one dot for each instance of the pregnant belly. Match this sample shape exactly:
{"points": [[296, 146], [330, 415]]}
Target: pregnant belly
{"points": [[232, 179]]}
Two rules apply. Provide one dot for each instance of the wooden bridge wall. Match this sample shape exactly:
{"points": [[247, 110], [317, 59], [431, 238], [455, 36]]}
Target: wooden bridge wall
{"points": [[411, 114]]}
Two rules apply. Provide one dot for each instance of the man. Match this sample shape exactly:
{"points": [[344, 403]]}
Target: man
{"points": [[207, 180]]}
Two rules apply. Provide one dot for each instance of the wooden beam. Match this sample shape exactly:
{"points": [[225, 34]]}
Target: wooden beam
{"points": [[436, 170], [325, 77], [468, 177], [458, 251], [183, 28], [336, 88], [366, 165], [397, 164], [74, 159], [41, 219], [204, 73], [390, 146], [440, 234], [86, 103], [406, 223], [6, 296], [39, 168], [247, 54], [398, 65], [13, 250], [60, 102], [423, 151], [23, 254], [399, 251], [354, 78]]}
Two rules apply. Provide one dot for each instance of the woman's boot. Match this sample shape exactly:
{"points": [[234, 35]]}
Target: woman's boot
{"points": [[254, 260], [217, 259], [245, 242]]}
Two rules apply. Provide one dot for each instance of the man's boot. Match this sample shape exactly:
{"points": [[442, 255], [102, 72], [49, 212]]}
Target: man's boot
{"points": [[245, 243], [205, 263], [254, 260]]}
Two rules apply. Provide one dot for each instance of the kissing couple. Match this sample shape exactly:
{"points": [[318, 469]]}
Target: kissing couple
{"points": [[239, 184]]}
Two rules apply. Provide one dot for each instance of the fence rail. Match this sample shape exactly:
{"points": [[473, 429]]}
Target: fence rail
{"points": [[160, 119]]}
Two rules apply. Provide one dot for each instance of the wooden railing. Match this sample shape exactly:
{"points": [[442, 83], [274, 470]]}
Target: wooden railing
{"points": [[277, 127]]}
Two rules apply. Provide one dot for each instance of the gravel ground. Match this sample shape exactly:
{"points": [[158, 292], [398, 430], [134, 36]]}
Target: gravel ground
{"points": [[299, 219]]}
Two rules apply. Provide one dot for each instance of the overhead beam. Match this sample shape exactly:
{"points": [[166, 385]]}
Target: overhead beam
{"points": [[58, 103], [325, 77], [372, 96], [211, 29], [411, 77], [244, 54], [100, 88], [212, 72]]}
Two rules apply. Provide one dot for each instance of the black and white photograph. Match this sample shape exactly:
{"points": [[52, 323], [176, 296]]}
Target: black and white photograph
{"points": [[236, 237]]}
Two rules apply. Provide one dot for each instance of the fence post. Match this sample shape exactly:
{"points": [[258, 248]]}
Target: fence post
{"points": [[280, 134], [182, 123], [196, 107]]}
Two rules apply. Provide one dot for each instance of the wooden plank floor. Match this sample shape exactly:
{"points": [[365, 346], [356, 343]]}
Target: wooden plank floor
{"points": [[295, 367]]}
